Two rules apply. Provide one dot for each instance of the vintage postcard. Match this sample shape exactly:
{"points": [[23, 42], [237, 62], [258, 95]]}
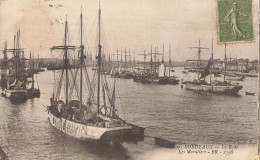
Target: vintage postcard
{"points": [[132, 79]]}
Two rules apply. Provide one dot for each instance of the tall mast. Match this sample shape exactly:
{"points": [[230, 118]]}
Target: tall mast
{"points": [[211, 60], [151, 58], [125, 59], [66, 62], [117, 58], [121, 60], [230, 61], [134, 58], [65, 48], [198, 62], [155, 59], [15, 58], [81, 57], [170, 60], [129, 58], [225, 58], [17, 55], [144, 58], [199, 54], [32, 70], [163, 55], [99, 58]]}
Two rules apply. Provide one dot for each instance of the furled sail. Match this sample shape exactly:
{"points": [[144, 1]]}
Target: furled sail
{"points": [[161, 70], [206, 71]]}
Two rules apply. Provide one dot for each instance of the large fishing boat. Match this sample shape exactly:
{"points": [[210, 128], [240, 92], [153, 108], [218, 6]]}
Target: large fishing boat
{"points": [[17, 78], [84, 117], [214, 86], [19, 81]]}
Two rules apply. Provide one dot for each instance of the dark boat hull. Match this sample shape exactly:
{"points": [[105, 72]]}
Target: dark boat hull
{"points": [[249, 93], [16, 96], [227, 90], [31, 93]]}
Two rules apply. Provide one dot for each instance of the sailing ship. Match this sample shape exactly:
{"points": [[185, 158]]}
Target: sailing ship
{"points": [[16, 82], [154, 73], [231, 74], [216, 86], [167, 78], [32, 91], [157, 71], [18, 78], [125, 71], [89, 121]]}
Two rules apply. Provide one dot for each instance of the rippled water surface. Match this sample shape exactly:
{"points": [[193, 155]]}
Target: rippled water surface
{"points": [[167, 111]]}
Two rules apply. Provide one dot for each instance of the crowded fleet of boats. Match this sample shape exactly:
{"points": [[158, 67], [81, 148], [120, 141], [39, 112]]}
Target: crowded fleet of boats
{"points": [[92, 114]]}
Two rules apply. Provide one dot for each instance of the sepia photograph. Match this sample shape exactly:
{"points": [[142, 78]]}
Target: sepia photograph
{"points": [[129, 80]]}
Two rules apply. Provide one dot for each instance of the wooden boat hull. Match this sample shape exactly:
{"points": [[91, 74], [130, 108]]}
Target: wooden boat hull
{"points": [[249, 93], [93, 133], [150, 80], [31, 93], [16, 95], [235, 78], [168, 80], [229, 90]]}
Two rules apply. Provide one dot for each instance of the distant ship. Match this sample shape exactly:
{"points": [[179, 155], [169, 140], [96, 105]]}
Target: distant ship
{"points": [[32, 91], [17, 80], [167, 78], [88, 120], [157, 71], [214, 86], [232, 75]]}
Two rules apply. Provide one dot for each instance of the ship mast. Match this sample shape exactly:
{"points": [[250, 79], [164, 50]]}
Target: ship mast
{"points": [[151, 59], [65, 48], [18, 55], [81, 58], [125, 59], [15, 57], [32, 60], [163, 55], [155, 59], [144, 58], [16, 51], [170, 62], [121, 60], [211, 60], [199, 54], [225, 58], [99, 60], [66, 62], [134, 58]]}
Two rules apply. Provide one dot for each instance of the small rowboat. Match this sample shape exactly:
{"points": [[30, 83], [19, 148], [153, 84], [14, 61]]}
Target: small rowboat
{"points": [[250, 93]]}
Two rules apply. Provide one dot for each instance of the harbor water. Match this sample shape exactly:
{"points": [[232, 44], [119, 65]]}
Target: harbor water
{"points": [[167, 111]]}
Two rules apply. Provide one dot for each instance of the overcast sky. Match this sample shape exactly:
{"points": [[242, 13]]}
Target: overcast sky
{"points": [[134, 24]]}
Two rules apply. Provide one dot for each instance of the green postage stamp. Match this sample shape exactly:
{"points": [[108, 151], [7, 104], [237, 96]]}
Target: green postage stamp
{"points": [[235, 21]]}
